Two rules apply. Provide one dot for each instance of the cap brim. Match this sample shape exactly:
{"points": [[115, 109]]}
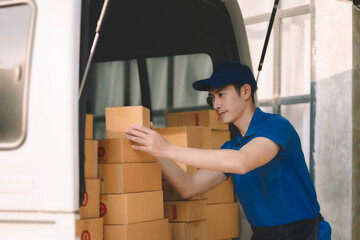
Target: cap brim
{"points": [[208, 83]]}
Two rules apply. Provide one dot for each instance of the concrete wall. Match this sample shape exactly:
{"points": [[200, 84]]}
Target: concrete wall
{"points": [[332, 80], [356, 126], [333, 153]]}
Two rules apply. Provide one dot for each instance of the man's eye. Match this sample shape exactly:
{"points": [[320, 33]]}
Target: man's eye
{"points": [[221, 94]]}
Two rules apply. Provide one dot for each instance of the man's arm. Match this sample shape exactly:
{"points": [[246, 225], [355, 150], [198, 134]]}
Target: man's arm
{"points": [[254, 154], [190, 185]]}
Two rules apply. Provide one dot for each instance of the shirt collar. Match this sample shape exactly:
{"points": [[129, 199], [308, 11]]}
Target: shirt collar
{"points": [[254, 124]]}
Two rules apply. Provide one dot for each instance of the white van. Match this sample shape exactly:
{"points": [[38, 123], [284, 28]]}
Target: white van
{"points": [[149, 52]]}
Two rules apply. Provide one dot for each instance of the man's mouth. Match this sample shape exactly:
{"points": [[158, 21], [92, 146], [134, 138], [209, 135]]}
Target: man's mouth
{"points": [[221, 114]]}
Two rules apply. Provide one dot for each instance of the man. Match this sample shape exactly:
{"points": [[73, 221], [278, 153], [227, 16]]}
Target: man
{"points": [[265, 159]]}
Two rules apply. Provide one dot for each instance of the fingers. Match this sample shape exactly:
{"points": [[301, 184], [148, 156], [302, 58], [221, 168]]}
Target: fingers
{"points": [[138, 131], [141, 128], [142, 136], [140, 148], [152, 126], [138, 134], [136, 139]]}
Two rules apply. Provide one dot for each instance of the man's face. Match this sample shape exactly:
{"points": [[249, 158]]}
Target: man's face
{"points": [[227, 102]]}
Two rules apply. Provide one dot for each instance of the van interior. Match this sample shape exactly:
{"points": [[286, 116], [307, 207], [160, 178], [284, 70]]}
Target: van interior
{"points": [[149, 53]]}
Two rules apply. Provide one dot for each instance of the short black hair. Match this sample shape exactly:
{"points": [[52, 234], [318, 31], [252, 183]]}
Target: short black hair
{"points": [[237, 87]]}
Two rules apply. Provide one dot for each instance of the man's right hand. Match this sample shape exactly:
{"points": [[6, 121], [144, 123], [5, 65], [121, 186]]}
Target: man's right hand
{"points": [[149, 141]]}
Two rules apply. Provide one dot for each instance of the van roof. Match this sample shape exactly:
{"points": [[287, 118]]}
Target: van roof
{"points": [[153, 28]]}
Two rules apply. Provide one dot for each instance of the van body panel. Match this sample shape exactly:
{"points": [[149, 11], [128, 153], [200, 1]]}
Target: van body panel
{"points": [[39, 226], [42, 174]]}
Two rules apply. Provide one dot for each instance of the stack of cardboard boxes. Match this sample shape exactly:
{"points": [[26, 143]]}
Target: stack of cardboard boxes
{"points": [[221, 210], [132, 204], [90, 225], [131, 191], [187, 217]]}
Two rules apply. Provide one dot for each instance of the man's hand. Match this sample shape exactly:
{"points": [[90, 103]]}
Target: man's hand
{"points": [[148, 140]]}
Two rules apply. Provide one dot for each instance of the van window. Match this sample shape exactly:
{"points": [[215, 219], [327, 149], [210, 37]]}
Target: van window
{"points": [[15, 34], [170, 78], [112, 84], [171, 81]]}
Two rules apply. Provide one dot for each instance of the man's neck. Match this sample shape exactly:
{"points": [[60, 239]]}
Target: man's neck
{"points": [[244, 121]]}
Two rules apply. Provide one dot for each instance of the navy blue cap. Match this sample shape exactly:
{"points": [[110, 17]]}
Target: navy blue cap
{"points": [[227, 73]]}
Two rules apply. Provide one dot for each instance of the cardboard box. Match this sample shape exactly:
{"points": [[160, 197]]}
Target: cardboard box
{"points": [[89, 126], [120, 151], [117, 119], [91, 159], [153, 230], [89, 229], [130, 177], [189, 230], [222, 220], [170, 194], [185, 211], [224, 193], [188, 136], [131, 208], [205, 118], [91, 200], [219, 138], [170, 231]]}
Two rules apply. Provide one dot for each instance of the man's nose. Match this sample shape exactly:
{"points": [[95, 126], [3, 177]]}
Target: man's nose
{"points": [[216, 104]]}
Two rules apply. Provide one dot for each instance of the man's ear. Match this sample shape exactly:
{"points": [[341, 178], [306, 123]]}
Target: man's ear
{"points": [[246, 91]]}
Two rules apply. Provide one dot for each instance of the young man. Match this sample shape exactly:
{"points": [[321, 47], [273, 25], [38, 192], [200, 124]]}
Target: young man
{"points": [[266, 161]]}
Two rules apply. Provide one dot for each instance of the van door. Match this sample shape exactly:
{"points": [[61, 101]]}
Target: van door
{"points": [[39, 58]]}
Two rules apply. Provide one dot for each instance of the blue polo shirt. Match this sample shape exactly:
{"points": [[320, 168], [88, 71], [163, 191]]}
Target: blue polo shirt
{"points": [[281, 191]]}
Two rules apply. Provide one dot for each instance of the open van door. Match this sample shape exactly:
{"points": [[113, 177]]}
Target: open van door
{"points": [[39, 72]]}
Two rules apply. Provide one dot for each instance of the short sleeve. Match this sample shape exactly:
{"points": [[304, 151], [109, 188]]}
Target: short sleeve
{"points": [[277, 129]]}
